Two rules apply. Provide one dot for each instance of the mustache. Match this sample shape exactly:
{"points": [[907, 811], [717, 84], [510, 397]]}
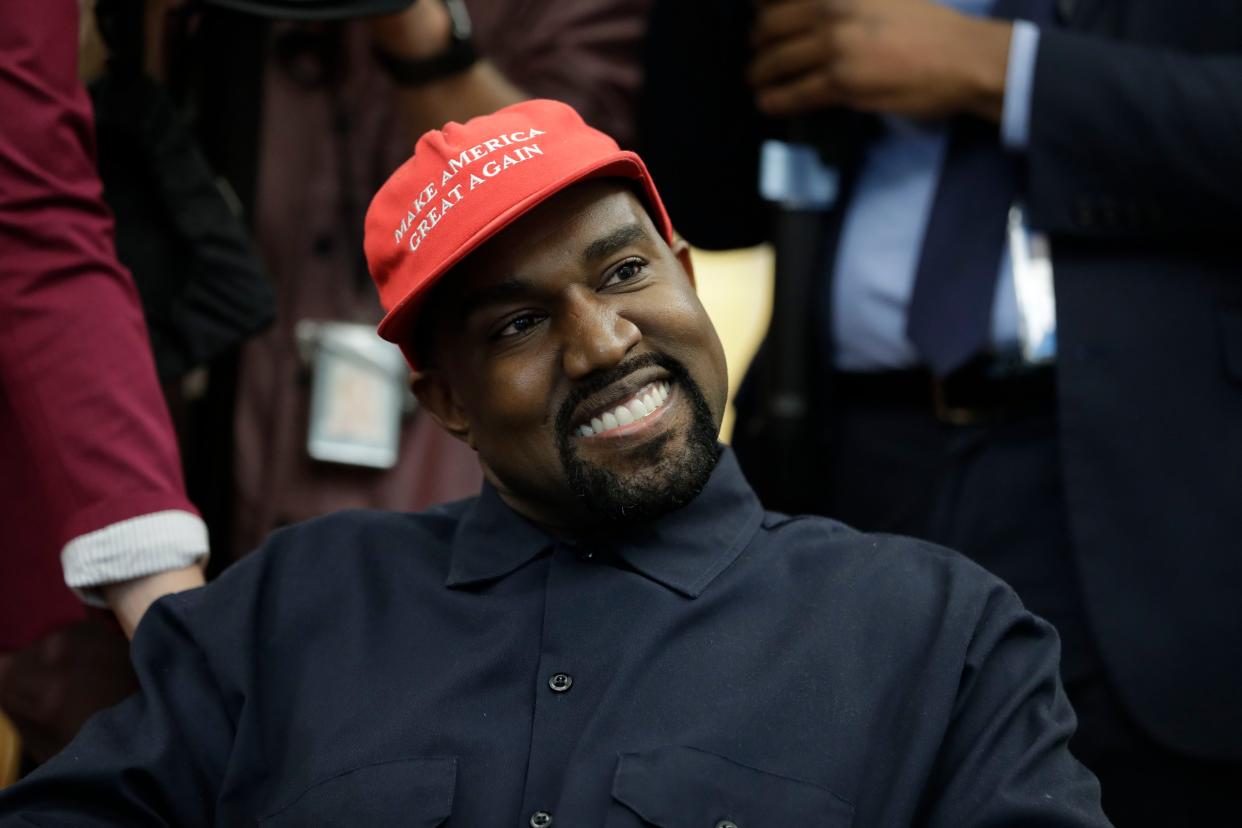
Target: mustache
{"points": [[599, 381]]}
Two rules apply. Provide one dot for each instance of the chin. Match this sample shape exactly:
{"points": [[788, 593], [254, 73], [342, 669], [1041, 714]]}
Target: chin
{"points": [[668, 474]]}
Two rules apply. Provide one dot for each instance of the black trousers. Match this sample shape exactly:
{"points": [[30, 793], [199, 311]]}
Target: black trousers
{"points": [[995, 493]]}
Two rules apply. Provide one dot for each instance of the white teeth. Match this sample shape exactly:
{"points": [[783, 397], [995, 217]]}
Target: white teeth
{"points": [[641, 406]]}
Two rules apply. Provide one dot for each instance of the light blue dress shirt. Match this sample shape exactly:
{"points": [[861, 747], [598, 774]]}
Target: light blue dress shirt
{"points": [[882, 235]]}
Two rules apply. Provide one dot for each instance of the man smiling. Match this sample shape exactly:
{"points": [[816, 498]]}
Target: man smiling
{"points": [[572, 353], [614, 633]]}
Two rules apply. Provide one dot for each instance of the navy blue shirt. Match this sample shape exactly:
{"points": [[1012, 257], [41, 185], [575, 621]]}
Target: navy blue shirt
{"points": [[461, 667]]}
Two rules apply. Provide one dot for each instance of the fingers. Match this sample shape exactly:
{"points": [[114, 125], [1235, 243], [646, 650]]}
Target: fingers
{"points": [[795, 52], [800, 95], [778, 21], [788, 59]]}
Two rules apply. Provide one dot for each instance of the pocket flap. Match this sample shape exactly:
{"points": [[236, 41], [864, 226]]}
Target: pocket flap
{"points": [[683, 787], [413, 793]]}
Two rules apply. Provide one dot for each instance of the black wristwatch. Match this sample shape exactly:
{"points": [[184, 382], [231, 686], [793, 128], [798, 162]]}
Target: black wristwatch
{"points": [[457, 58]]}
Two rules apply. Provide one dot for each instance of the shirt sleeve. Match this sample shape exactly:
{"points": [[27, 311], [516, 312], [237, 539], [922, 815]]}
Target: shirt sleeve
{"points": [[76, 370], [1005, 758], [133, 548], [1019, 85], [157, 758]]}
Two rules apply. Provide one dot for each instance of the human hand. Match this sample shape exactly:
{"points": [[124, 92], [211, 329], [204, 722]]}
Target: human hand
{"points": [[422, 31], [129, 600], [906, 57]]}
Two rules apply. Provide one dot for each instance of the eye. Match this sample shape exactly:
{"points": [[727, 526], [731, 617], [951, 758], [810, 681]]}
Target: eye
{"points": [[518, 325], [630, 270]]}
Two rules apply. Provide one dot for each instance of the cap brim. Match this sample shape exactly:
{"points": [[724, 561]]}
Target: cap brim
{"points": [[396, 325]]}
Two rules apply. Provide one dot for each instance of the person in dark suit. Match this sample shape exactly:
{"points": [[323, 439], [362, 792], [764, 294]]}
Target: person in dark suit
{"points": [[900, 389]]}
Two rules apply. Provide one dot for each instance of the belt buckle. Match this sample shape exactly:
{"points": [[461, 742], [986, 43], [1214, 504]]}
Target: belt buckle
{"points": [[950, 414]]}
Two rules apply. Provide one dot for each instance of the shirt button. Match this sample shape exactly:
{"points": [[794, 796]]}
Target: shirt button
{"points": [[560, 682], [540, 819], [726, 823]]}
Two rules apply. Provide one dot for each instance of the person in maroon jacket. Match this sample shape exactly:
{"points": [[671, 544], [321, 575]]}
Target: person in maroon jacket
{"points": [[91, 492]]}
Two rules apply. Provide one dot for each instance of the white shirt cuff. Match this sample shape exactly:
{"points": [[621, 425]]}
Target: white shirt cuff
{"points": [[1019, 85], [133, 548]]}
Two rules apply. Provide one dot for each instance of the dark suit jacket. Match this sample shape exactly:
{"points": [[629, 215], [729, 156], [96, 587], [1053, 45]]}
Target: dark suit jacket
{"points": [[1135, 170]]}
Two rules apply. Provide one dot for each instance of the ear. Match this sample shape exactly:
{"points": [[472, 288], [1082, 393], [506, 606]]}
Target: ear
{"points": [[681, 249], [436, 397]]}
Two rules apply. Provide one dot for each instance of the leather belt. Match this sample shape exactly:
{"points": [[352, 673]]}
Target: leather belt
{"points": [[982, 392]]}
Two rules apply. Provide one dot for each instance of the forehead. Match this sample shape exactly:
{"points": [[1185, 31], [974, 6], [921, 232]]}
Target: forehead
{"points": [[561, 229]]}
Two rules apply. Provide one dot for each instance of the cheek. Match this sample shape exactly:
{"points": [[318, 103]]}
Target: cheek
{"points": [[512, 407], [680, 324], [672, 312]]}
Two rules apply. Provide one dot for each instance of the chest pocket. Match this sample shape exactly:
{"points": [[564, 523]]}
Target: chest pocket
{"points": [[682, 787], [412, 793]]}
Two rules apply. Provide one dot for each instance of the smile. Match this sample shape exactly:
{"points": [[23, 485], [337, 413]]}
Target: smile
{"points": [[648, 401]]}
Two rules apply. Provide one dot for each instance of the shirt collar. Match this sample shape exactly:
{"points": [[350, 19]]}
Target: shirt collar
{"points": [[492, 540], [684, 550]]}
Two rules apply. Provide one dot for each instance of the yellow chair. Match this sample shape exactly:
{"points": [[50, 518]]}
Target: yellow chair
{"points": [[10, 752]]}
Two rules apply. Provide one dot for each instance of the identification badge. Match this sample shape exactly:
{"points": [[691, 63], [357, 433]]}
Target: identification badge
{"points": [[1031, 256], [357, 394]]}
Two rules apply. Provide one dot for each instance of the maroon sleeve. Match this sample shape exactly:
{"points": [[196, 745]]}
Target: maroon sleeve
{"points": [[85, 438]]}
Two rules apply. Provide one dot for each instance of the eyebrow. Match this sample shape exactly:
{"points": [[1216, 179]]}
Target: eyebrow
{"points": [[616, 240], [505, 291], [514, 287]]}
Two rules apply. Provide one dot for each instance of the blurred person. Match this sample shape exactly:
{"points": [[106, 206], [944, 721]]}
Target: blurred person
{"points": [[614, 631], [1066, 418], [92, 494], [343, 100], [178, 226]]}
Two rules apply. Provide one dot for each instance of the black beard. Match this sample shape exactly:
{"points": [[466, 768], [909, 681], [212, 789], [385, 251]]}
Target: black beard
{"points": [[669, 481]]}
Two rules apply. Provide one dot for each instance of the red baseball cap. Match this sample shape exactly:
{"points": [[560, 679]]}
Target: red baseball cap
{"points": [[467, 182]]}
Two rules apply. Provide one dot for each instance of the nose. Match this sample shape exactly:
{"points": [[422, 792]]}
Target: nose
{"points": [[596, 336]]}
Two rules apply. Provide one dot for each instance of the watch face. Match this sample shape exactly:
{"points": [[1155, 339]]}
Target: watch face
{"points": [[318, 9]]}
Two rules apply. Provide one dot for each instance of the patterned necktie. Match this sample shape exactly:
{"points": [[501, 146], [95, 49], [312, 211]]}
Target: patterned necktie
{"points": [[950, 313]]}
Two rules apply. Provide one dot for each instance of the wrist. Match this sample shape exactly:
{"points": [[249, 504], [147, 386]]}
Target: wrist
{"points": [[424, 60], [985, 46], [422, 31], [130, 599]]}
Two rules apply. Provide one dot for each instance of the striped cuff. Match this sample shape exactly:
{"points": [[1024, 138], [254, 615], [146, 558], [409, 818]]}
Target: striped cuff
{"points": [[132, 548]]}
